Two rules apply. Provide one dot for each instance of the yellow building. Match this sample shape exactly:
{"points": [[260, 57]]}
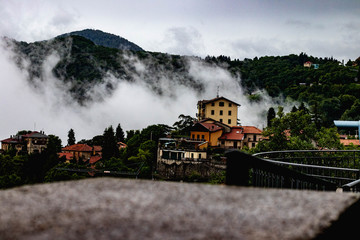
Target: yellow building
{"points": [[209, 131], [220, 109]]}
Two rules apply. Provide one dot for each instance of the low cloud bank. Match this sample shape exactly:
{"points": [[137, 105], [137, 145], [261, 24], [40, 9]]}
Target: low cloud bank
{"points": [[49, 106]]}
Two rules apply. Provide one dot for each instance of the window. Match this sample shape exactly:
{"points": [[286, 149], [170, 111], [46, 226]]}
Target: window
{"points": [[229, 121], [198, 136], [230, 105], [193, 136], [199, 155], [221, 112], [253, 144], [221, 104], [221, 120], [202, 137], [212, 104], [212, 112], [254, 138], [229, 113]]}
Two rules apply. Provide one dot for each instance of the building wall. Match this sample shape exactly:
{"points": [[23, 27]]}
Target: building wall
{"points": [[214, 138], [197, 135], [230, 144], [179, 155], [77, 155], [220, 112], [210, 137], [251, 140], [35, 144]]}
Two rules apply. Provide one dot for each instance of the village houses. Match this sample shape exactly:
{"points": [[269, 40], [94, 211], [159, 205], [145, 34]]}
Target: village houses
{"points": [[32, 142], [216, 127]]}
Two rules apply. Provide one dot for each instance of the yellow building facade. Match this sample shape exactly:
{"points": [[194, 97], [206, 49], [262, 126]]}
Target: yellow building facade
{"points": [[209, 131], [220, 109]]}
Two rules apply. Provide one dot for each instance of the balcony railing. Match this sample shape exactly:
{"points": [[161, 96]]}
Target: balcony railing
{"points": [[246, 170]]}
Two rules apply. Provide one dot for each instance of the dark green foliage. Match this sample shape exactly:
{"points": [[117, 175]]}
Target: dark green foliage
{"points": [[184, 125], [109, 146], [120, 136], [29, 169], [329, 90], [296, 131], [270, 116], [106, 39], [71, 137]]}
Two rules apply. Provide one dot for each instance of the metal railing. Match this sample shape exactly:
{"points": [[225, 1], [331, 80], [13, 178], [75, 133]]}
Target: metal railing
{"points": [[296, 172], [342, 167]]}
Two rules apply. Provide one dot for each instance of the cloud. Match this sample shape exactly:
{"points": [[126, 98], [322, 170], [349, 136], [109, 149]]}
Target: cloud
{"points": [[35, 20], [303, 24], [134, 104], [184, 41]]}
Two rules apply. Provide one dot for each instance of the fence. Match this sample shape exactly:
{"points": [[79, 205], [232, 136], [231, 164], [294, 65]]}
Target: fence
{"points": [[319, 170]]}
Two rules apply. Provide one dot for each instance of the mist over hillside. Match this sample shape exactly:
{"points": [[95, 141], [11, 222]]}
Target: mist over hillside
{"points": [[70, 82]]}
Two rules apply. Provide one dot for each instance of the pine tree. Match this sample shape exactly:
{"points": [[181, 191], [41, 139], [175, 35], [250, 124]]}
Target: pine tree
{"points": [[120, 136], [71, 137], [109, 147], [270, 116]]}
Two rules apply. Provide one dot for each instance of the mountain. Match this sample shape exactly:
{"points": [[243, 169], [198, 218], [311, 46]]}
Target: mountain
{"points": [[92, 72], [105, 39], [85, 67]]}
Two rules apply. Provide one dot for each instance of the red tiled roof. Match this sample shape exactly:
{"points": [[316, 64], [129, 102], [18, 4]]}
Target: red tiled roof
{"points": [[78, 148], [97, 148], [10, 140], [238, 132], [251, 129], [235, 134], [94, 159], [347, 142], [68, 156], [211, 127]]}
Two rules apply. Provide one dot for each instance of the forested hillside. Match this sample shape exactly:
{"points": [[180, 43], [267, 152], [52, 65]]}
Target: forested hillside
{"points": [[105, 39], [84, 66], [330, 90]]}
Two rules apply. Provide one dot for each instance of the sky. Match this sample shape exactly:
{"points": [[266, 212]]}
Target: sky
{"points": [[236, 28]]}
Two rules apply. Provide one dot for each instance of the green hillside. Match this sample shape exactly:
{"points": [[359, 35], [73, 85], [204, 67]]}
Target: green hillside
{"points": [[332, 91], [329, 89], [105, 39]]}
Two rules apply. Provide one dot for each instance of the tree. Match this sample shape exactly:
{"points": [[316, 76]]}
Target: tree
{"points": [[71, 137], [294, 109], [294, 130], [109, 147], [270, 116], [54, 144], [120, 136], [184, 124]]}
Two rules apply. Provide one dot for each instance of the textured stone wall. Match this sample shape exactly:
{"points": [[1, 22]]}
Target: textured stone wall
{"points": [[181, 170]]}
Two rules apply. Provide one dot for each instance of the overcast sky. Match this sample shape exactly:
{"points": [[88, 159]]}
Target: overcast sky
{"points": [[237, 28]]}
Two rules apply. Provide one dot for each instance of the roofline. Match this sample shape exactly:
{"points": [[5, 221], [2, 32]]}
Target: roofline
{"points": [[217, 98]]}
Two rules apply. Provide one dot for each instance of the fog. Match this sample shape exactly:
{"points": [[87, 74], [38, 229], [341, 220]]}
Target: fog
{"points": [[50, 108]]}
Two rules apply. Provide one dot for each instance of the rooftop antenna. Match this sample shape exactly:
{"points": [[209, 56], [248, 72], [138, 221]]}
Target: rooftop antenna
{"points": [[217, 92]]}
